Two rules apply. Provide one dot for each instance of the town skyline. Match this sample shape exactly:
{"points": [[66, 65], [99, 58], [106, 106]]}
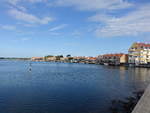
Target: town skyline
{"points": [[81, 28]]}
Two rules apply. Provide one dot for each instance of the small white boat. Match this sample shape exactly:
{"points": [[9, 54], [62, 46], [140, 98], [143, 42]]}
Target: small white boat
{"points": [[106, 64]]}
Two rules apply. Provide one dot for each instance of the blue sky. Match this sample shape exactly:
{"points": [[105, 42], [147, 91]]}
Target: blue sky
{"points": [[77, 27]]}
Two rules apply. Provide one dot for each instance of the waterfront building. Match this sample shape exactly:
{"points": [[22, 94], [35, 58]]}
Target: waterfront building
{"points": [[113, 59], [83, 59], [91, 60], [54, 58], [37, 58], [50, 58], [139, 53], [79, 59]]}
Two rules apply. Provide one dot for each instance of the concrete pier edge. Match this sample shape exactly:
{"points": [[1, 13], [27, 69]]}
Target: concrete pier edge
{"points": [[143, 106]]}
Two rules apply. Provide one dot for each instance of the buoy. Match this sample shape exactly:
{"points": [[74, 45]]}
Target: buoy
{"points": [[30, 67]]}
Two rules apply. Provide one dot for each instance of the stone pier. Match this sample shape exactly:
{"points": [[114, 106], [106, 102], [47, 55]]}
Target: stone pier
{"points": [[143, 106]]}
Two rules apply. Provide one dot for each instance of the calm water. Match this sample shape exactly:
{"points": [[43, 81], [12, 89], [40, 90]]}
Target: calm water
{"points": [[65, 88]]}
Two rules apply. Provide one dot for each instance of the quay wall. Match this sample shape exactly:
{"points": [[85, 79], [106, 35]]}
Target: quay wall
{"points": [[143, 106]]}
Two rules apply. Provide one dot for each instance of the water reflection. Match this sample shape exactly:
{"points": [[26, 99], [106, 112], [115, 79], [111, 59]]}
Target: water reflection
{"points": [[65, 88], [142, 74]]}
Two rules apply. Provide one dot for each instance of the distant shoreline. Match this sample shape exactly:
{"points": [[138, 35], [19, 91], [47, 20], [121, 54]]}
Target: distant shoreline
{"points": [[13, 58], [29, 59]]}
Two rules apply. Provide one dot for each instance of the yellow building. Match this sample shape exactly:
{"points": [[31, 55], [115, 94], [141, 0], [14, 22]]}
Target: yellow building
{"points": [[139, 53]]}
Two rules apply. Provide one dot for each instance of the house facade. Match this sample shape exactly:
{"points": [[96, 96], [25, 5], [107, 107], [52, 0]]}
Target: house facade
{"points": [[139, 53], [37, 58], [113, 59]]}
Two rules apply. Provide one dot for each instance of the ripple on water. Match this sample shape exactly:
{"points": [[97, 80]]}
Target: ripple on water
{"points": [[65, 87]]}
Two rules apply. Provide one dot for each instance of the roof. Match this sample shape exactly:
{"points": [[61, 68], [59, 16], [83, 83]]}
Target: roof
{"points": [[142, 45], [114, 55]]}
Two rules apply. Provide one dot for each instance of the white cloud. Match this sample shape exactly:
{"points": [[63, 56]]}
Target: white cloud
{"points": [[77, 34], [18, 4], [100, 18], [15, 2], [25, 39], [8, 27], [35, 1], [94, 4], [134, 23], [29, 18], [55, 33], [58, 27]]}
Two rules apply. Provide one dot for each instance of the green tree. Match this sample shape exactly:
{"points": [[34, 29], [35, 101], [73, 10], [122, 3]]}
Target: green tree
{"points": [[68, 56]]}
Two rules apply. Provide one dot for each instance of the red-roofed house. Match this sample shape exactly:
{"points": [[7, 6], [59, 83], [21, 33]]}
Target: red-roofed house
{"points": [[139, 53], [113, 59]]}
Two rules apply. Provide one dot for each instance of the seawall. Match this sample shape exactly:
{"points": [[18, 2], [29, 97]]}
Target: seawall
{"points": [[143, 106]]}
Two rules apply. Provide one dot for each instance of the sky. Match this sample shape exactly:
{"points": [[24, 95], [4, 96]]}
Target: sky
{"points": [[77, 27]]}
